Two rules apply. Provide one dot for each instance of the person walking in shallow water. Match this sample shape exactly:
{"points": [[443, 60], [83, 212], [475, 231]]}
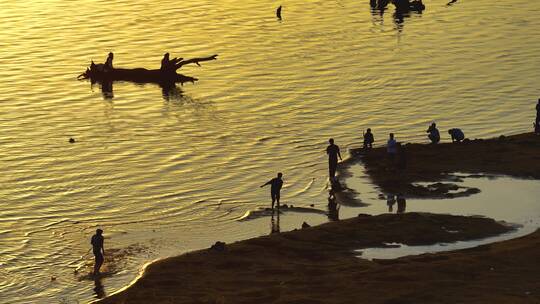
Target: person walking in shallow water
{"points": [[275, 187], [333, 153], [99, 251]]}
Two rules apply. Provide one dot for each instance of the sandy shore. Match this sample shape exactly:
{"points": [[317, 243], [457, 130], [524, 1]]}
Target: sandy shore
{"points": [[318, 264]]}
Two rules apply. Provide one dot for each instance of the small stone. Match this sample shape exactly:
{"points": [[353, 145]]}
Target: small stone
{"points": [[305, 225], [312, 205]]}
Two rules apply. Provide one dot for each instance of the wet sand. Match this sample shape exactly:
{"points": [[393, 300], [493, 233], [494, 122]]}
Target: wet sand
{"points": [[318, 264]]}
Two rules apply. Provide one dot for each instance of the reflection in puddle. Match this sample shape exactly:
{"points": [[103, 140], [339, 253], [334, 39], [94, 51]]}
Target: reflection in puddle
{"points": [[397, 250], [502, 198]]}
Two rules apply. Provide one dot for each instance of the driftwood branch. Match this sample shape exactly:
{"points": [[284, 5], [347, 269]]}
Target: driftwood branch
{"points": [[194, 60]]}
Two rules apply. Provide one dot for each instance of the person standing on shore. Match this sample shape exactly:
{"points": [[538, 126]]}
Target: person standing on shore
{"points": [[99, 251], [434, 135], [391, 148], [275, 188], [333, 152], [538, 112], [368, 139]]}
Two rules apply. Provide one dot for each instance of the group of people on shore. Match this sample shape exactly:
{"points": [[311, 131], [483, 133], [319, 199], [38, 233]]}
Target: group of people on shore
{"points": [[395, 150]]}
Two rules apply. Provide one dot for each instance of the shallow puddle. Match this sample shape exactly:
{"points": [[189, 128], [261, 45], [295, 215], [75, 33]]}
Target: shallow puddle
{"points": [[502, 198]]}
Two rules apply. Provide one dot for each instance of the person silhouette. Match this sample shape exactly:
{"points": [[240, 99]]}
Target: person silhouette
{"points": [[275, 188], [165, 63], [368, 139], [108, 62], [333, 153], [456, 134], [98, 250], [434, 135], [538, 112]]}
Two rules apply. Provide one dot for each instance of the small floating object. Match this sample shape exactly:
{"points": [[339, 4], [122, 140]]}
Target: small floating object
{"points": [[71, 140], [278, 12], [53, 278]]}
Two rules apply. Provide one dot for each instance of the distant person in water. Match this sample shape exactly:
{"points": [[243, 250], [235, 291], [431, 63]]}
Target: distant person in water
{"points": [[278, 12], [391, 148], [98, 250], [401, 203], [165, 63], [275, 188], [456, 134], [434, 135], [333, 153], [108, 62], [368, 139]]}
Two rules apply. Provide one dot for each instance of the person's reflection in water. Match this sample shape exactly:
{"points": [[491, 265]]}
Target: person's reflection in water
{"points": [[333, 207], [99, 290], [378, 7], [171, 91], [399, 18], [390, 202], [401, 203], [274, 222], [107, 89]]}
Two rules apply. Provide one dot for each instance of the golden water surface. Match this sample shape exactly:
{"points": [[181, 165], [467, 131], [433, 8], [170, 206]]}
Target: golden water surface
{"points": [[168, 171]]}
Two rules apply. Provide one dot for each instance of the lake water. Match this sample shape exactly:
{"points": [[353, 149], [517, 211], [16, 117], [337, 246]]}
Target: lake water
{"points": [[166, 173]]}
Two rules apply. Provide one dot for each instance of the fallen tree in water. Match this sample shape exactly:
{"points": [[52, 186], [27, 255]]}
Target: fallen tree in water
{"points": [[106, 73]]}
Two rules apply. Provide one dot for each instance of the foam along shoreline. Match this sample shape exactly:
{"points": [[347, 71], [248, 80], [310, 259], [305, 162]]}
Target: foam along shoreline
{"points": [[303, 265]]}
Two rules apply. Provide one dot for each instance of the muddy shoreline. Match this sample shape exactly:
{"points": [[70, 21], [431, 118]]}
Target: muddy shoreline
{"points": [[304, 265], [318, 264]]}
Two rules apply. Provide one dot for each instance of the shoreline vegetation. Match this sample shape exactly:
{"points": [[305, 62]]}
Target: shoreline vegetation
{"points": [[319, 265]]}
